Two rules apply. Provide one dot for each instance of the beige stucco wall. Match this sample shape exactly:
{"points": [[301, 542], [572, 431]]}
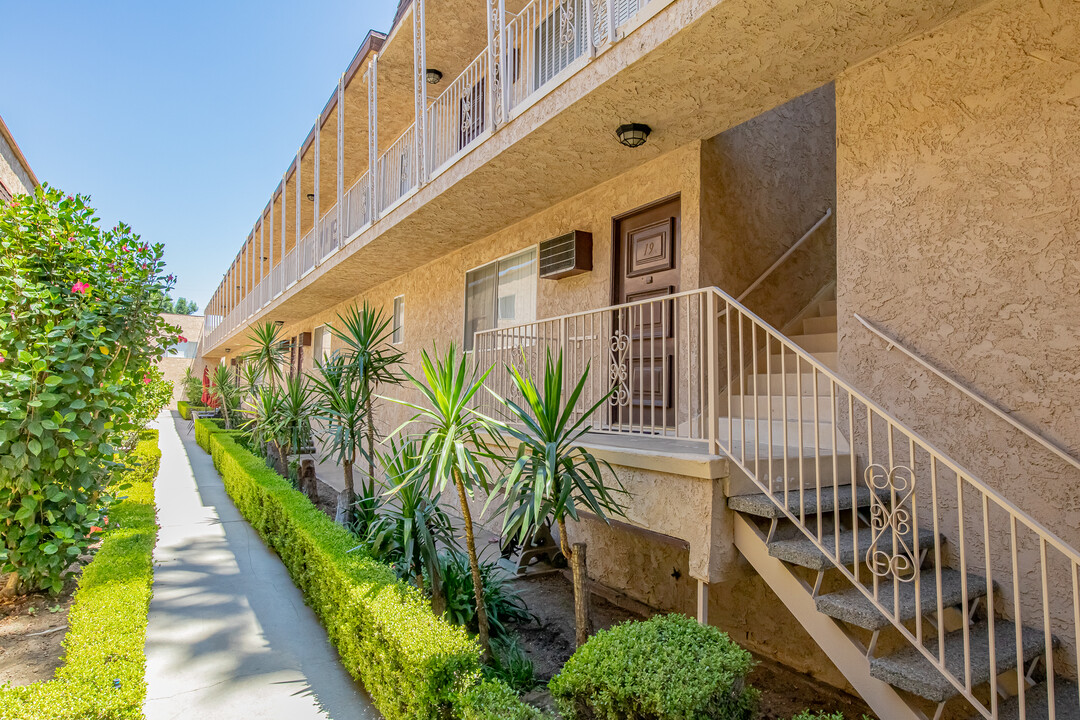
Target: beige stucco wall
{"points": [[764, 184], [958, 173]]}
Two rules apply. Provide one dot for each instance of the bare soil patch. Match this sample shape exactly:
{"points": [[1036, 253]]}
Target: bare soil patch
{"points": [[32, 628]]}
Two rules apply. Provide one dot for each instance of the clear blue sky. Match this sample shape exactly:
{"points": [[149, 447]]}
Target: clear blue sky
{"points": [[176, 117]]}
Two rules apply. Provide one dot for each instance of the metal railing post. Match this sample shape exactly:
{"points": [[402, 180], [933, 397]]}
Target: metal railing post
{"points": [[712, 357]]}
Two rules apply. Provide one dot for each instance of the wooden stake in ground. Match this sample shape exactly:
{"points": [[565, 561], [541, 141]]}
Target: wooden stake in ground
{"points": [[582, 616]]}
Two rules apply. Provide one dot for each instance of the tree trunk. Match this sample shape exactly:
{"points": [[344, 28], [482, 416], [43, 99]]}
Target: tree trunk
{"points": [[474, 565], [11, 588], [370, 445], [344, 512], [438, 598], [576, 558]]}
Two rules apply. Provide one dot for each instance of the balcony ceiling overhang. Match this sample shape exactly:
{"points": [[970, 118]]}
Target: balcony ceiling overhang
{"points": [[696, 69]]}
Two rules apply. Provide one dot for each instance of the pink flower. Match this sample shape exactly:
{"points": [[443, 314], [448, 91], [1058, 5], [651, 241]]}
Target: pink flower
{"points": [[124, 248], [71, 239], [80, 287], [146, 380], [70, 199], [96, 529], [2, 358], [181, 339]]}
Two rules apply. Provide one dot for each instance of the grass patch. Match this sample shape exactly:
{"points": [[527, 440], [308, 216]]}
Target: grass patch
{"points": [[103, 676]]}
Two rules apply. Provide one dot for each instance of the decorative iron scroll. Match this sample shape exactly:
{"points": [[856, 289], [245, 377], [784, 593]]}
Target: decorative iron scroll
{"points": [[892, 530], [496, 27], [466, 114], [620, 369], [566, 23]]}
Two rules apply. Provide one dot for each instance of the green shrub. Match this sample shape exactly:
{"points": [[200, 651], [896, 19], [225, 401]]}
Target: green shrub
{"points": [[184, 409], [103, 672], [492, 700], [666, 668], [80, 336], [413, 664], [503, 605], [204, 428]]}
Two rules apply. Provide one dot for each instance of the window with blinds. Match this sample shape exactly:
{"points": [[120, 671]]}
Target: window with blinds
{"points": [[500, 294], [399, 320]]}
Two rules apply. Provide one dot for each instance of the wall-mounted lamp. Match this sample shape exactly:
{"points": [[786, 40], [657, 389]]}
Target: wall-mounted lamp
{"points": [[633, 135], [311, 197], [433, 76]]}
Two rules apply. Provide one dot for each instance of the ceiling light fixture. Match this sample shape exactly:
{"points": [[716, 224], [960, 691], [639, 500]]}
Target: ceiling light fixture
{"points": [[633, 135], [433, 76], [311, 197]]}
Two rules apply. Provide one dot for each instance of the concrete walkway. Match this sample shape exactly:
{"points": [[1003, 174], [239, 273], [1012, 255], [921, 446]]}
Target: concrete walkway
{"points": [[229, 634]]}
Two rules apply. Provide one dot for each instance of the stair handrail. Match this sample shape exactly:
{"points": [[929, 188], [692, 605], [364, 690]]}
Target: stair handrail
{"points": [[1046, 537], [1023, 427], [787, 253]]}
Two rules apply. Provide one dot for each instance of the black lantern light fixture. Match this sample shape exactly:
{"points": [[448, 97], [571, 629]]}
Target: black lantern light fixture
{"points": [[311, 197], [633, 135], [433, 76]]}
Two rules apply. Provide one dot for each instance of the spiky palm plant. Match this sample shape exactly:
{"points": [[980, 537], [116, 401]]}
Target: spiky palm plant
{"points": [[454, 444], [340, 407], [551, 473], [412, 524], [268, 355], [371, 361], [224, 391]]}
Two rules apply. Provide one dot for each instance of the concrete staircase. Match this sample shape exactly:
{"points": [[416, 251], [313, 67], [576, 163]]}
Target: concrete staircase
{"points": [[782, 533]]}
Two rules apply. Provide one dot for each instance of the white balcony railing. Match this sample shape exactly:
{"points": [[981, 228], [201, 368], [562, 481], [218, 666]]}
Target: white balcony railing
{"points": [[458, 117], [699, 366], [397, 169], [541, 41]]}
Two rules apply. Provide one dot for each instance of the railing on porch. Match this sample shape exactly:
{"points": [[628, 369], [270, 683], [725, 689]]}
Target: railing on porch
{"points": [[541, 41], [700, 366]]}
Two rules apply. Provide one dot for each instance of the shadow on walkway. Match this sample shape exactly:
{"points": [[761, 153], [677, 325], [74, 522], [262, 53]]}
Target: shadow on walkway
{"points": [[229, 634]]}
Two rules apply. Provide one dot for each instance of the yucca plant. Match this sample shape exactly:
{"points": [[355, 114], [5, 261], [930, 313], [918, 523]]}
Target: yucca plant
{"points": [[295, 410], [412, 525], [551, 473], [224, 391], [264, 422], [340, 407], [454, 445], [268, 355], [371, 361]]}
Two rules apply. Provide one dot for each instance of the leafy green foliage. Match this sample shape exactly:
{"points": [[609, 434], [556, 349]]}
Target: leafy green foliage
{"points": [[494, 700], [819, 715], [503, 605], [226, 394], [410, 525], [80, 332], [511, 664], [151, 396], [103, 672], [192, 387], [666, 668], [551, 473], [267, 360], [180, 306], [341, 406], [413, 663]]}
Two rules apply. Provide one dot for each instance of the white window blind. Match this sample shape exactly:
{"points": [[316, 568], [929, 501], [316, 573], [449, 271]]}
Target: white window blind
{"points": [[399, 319], [500, 294]]}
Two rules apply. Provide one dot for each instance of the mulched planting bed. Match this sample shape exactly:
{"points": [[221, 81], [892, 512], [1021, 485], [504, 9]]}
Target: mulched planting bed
{"points": [[32, 628]]}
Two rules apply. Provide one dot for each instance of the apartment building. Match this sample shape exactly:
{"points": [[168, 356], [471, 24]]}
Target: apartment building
{"points": [[823, 255]]}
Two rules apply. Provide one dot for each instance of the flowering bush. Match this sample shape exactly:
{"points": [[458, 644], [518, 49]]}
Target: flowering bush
{"points": [[79, 338]]}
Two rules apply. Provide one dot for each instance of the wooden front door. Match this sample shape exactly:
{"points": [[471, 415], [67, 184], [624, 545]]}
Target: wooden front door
{"points": [[646, 266]]}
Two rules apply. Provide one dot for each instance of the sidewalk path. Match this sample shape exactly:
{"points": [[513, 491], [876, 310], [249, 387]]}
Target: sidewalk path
{"points": [[229, 634]]}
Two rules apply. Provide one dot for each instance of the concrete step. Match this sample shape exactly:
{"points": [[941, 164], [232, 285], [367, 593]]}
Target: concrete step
{"points": [[1037, 704], [828, 359], [804, 553], [909, 669], [783, 407], [748, 432], [790, 383], [818, 342], [773, 470], [853, 607], [761, 505], [816, 325]]}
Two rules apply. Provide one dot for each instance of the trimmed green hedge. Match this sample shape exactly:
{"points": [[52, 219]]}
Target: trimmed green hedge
{"points": [[669, 667], [103, 675], [493, 700], [184, 409], [412, 663], [204, 428]]}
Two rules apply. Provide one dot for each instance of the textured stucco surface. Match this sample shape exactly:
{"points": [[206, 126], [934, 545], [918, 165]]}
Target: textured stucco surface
{"points": [[696, 68], [12, 172], [958, 170], [764, 184]]}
